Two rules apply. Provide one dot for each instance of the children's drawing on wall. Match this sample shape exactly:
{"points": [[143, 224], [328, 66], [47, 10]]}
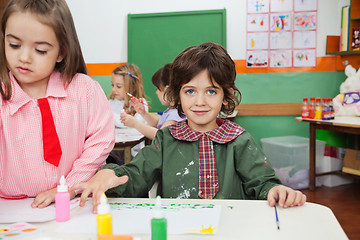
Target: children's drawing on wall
{"points": [[305, 39], [292, 27], [280, 58], [304, 58], [280, 22], [305, 5], [280, 40], [258, 6], [258, 22], [305, 21], [281, 5], [257, 41], [257, 59]]}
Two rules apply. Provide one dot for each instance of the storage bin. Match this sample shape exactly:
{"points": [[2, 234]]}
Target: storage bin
{"points": [[289, 156]]}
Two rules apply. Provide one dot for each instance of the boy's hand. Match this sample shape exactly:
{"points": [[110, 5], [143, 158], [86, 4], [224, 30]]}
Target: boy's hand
{"points": [[43, 199], [99, 183], [285, 196]]}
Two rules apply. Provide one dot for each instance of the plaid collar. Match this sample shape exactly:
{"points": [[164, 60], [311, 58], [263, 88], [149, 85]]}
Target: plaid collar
{"points": [[226, 131]]}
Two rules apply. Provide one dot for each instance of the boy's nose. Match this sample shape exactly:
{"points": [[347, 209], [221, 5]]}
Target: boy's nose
{"points": [[199, 100]]}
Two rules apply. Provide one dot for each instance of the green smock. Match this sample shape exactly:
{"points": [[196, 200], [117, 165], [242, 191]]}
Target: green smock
{"points": [[242, 168]]}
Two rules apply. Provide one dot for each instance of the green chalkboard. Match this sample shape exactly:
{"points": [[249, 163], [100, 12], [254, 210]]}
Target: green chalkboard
{"points": [[156, 39]]}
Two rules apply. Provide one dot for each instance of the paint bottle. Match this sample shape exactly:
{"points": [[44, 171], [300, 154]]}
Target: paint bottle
{"points": [[331, 109], [104, 217], [158, 222], [305, 109], [62, 201], [312, 108], [122, 112], [325, 109], [318, 109]]}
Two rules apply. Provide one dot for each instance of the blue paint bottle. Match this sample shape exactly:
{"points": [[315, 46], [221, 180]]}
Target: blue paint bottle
{"points": [[158, 222]]}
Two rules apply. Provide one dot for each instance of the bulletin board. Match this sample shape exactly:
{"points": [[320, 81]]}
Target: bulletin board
{"points": [[156, 39], [281, 33]]}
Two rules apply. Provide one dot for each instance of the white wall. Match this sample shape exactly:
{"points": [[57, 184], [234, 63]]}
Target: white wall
{"points": [[102, 24]]}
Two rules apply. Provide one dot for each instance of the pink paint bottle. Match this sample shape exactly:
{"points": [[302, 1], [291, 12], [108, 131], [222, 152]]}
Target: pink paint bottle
{"points": [[62, 202]]}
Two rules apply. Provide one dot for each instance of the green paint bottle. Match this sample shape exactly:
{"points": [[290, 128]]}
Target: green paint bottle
{"points": [[158, 222]]}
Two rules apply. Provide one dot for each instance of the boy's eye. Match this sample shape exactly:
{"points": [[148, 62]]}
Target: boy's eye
{"points": [[14, 46], [42, 52], [190, 91], [211, 91]]}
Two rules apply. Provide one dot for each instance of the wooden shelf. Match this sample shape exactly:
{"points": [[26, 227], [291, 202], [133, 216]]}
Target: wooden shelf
{"points": [[333, 42], [344, 53]]}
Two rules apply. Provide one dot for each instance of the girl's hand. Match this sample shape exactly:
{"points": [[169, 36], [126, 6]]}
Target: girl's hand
{"points": [[99, 183], [43, 199], [285, 196], [128, 120], [138, 106]]}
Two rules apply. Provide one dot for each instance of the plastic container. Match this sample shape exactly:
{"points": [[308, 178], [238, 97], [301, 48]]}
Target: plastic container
{"points": [[289, 156], [104, 217], [62, 202]]}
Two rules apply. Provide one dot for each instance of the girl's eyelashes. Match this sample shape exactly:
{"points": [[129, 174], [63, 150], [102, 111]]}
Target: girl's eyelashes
{"points": [[14, 46], [17, 46], [42, 52]]}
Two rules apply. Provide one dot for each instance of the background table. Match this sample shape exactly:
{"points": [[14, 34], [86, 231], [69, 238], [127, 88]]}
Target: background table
{"points": [[125, 139], [339, 124], [239, 219]]}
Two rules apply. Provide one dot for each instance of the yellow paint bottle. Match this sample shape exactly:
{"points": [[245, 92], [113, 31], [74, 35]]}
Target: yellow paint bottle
{"points": [[104, 217]]}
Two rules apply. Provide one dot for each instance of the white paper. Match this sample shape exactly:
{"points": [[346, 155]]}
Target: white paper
{"points": [[280, 40], [258, 40], [127, 135], [257, 59], [280, 22], [134, 218], [280, 58], [305, 39], [258, 6], [281, 5], [258, 22], [305, 5], [305, 21], [304, 58], [20, 210]]}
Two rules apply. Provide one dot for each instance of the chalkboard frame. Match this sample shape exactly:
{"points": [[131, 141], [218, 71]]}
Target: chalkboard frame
{"points": [[155, 39]]}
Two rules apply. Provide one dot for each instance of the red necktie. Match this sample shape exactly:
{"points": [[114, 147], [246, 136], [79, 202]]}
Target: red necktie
{"points": [[51, 143]]}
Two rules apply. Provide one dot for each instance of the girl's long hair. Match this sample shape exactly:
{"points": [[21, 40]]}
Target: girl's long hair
{"points": [[133, 84], [57, 15]]}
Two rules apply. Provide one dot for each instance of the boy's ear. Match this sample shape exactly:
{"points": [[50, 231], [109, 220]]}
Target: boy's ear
{"points": [[231, 90]]}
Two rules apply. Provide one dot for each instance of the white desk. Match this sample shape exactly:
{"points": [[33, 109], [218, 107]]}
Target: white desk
{"points": [[245, 220]]}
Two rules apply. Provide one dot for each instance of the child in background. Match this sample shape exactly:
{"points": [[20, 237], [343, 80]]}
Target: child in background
{"points": [[126, 79], [203, 156], [47, 98], [161, 80]]}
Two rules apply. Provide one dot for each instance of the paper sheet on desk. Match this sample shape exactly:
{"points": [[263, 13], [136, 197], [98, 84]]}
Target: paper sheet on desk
{"points": [[127, 135], [20, 210], [135, 219]]}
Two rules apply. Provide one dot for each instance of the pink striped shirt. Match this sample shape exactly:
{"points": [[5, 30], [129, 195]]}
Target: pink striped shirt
{"points": [[85, 126]]}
